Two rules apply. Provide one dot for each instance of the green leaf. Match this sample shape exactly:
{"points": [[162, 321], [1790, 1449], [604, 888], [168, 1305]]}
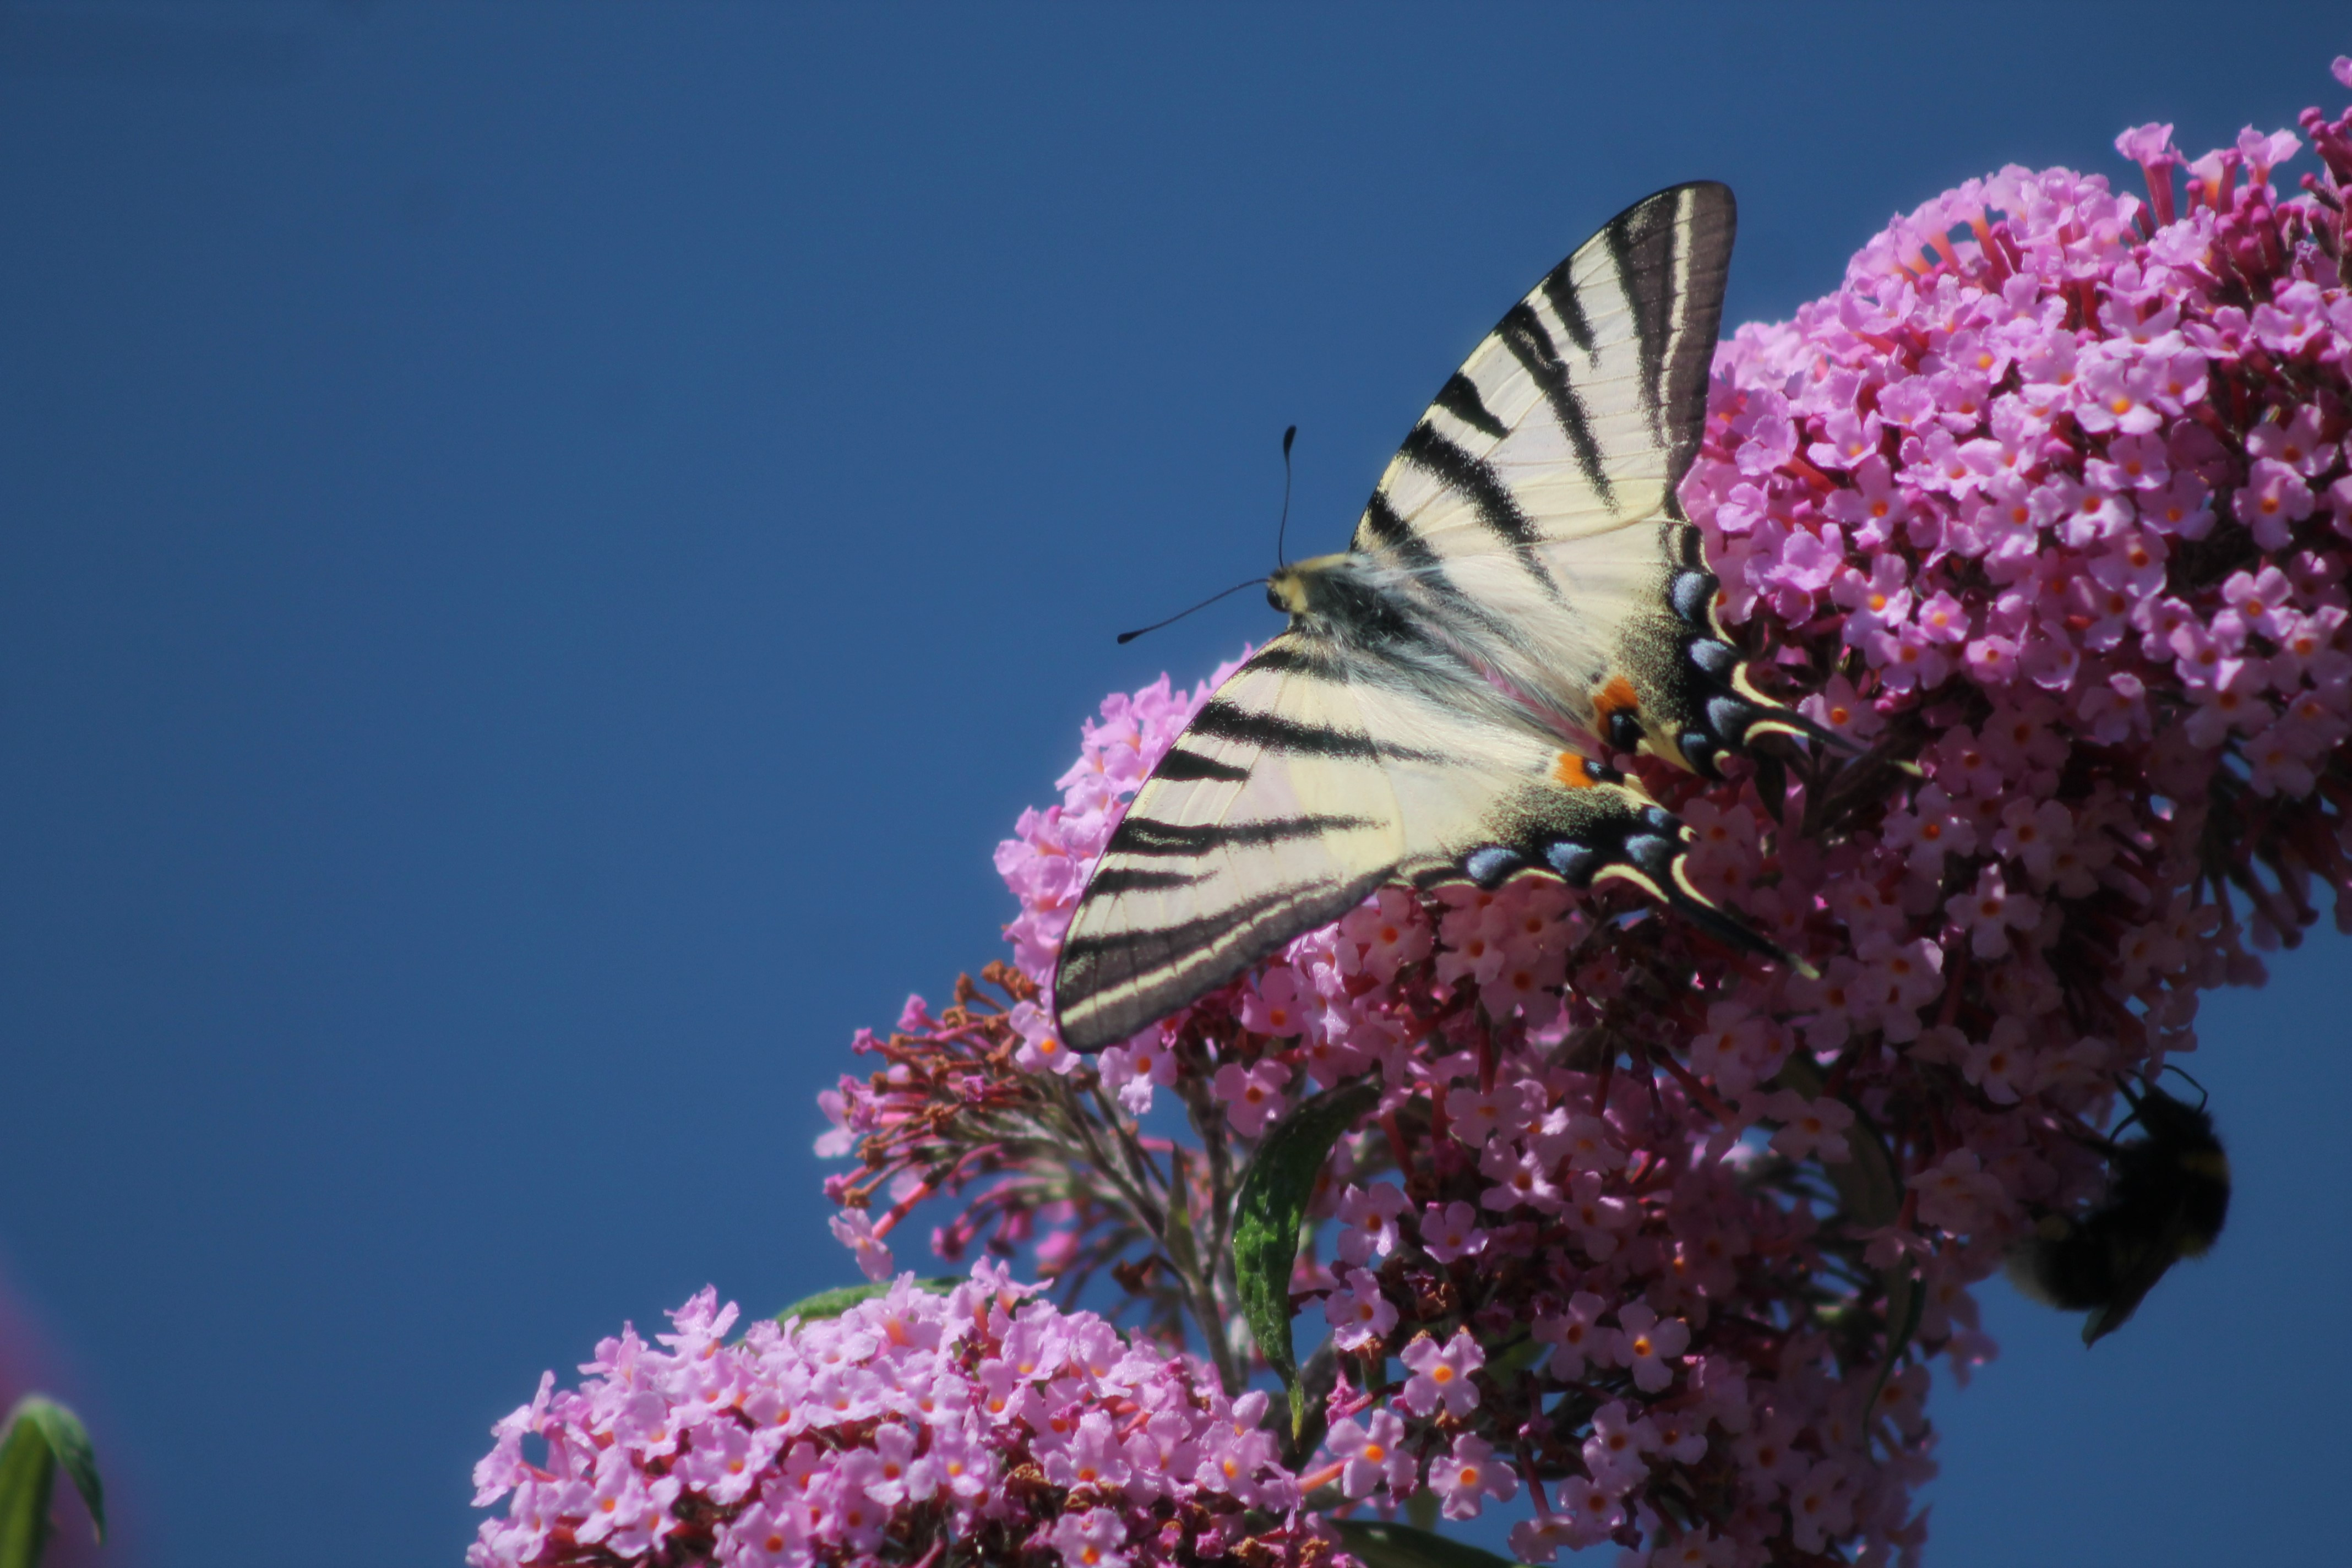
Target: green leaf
{"points": [[27, 1466], [1401, 1546], [42, 1434], [70, 1442], [833, 1303], [1268, 1211]]}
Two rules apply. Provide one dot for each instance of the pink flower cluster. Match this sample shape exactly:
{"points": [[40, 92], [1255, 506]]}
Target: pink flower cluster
{"points": [[2049, 501], [966, 1427]]}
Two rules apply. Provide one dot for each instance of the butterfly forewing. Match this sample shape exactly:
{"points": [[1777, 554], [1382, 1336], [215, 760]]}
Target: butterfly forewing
{"points": [[1270, 815], [1583, 408]]}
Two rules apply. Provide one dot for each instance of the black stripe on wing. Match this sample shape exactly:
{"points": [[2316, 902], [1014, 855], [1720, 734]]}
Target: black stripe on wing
{"points": [[1301, 655], [1672, 252], [1560, 293], [1391, 533], [1181, 764], [1106, 987], [1476, 477], [1381, 529], [1459, 397], [1225, 720], [1642, 241], [1110, 879], [1081, 954], [1142, 836], [1522, 331]]}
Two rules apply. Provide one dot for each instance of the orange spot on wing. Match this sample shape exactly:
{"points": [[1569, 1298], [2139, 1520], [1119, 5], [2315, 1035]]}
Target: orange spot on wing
{"points": [[1574, 771], [1615, 695]]}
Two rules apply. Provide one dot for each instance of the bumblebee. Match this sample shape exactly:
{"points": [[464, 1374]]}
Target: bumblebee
{"points": [[2167, 1198]]}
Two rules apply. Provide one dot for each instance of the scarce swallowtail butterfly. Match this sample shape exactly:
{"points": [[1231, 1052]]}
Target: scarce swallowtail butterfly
{"points": [[1522, 596]]}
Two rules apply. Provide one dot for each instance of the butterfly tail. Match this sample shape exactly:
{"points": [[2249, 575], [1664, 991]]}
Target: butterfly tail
{"points": [[1651, 853], [1729, 929], [1727, 715]]}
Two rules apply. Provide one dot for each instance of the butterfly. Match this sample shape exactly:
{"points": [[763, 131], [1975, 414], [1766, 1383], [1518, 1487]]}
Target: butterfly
{"points": [[1522, 596]]}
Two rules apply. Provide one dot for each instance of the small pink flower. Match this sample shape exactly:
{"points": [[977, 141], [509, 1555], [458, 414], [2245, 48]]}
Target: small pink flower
{"points": [[2116, 396], [1132, 1072], [1820, 1505], [1368, 1221], [2000, 1065], [1041, 1047], [1596, 1216], [1809, 1129], [1989, 911], [1521, 1177], [855, 1229], [1470, 1474], [2273, 498], [1957, 1194], [2148, 146], [1613, 1455], [1090, 1540], [1277, 1003], [1450, 1233], [1252, 1095], [1649, 1346], [2033, 833], [1359, 1315], [2296, 441], [1375, 1455], [1575, 1335], [2259, 601], [1442, 1374]]}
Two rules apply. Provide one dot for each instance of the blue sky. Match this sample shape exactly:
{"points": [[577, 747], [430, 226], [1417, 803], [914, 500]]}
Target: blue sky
{"points": [[544, 544]]}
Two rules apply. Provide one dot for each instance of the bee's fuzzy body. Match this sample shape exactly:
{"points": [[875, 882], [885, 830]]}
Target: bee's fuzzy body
{"points": [[2167, 1200]]}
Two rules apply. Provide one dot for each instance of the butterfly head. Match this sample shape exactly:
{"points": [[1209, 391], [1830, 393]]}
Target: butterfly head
{"points": [[1294, 589]]}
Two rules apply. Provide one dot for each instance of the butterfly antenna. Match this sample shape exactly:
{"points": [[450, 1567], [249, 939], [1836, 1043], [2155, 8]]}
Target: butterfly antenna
{"points": [[1282, 528], [1126, 637]]}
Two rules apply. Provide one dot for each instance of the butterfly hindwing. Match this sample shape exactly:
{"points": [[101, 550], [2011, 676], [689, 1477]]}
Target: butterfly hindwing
{"points": [[1320, 770]]}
